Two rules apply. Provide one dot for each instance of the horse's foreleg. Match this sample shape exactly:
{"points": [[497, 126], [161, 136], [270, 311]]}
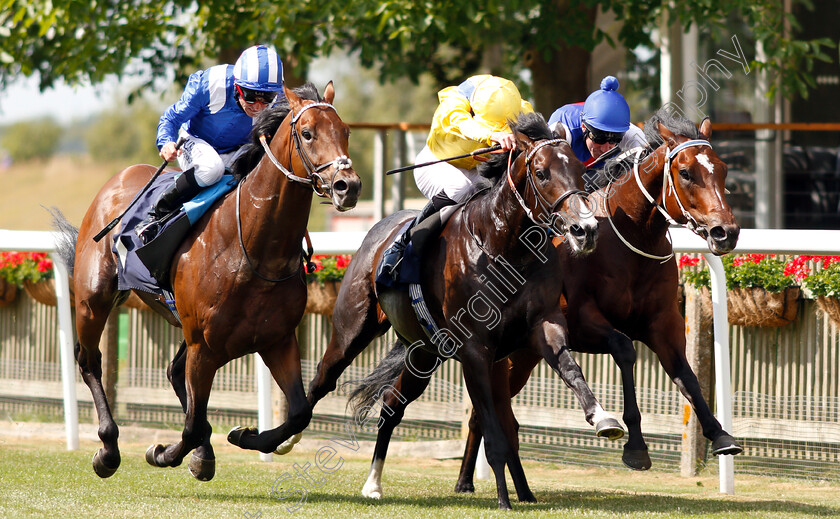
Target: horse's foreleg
{"points": [[283, 360], [552, 340], [521, 365], [635, 450], [477, 367], [200, 370], [407, 389], [90, 322], [668, 342]]}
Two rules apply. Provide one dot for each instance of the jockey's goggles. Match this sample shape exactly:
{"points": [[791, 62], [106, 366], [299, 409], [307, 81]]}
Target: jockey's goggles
{"points": [[602, 137], [252, 96]]}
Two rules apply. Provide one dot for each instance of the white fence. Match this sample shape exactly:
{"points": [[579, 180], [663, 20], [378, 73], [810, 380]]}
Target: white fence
{"points": [[751, 241]]}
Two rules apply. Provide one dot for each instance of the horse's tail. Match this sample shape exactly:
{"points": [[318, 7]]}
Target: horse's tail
{"points": [[369, 389], [66, 240]]}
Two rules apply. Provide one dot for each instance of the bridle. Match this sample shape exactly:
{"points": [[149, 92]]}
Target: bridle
{"points": [[313, 177], [549, 210], [667, 187]]}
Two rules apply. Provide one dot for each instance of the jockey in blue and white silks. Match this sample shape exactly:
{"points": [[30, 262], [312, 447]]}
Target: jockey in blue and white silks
{"points": [[214, 116]]}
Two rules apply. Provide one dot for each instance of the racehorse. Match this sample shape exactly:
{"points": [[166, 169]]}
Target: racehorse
{"points": [[627, 289], [237, 278], [490, 279]]}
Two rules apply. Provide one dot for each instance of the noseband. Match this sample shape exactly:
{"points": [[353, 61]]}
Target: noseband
{"points": [[668, 186], [312, 178], [546, 207]]}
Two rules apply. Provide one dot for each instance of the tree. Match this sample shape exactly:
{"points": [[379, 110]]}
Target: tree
{"points": [[553, 39], [29, 140]]}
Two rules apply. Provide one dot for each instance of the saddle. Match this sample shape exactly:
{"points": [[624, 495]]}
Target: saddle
{"points": [[146, 267]]}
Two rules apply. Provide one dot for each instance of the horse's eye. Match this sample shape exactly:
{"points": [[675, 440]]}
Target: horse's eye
{"points": [[685, 174], [540, 174], [306, 134]]}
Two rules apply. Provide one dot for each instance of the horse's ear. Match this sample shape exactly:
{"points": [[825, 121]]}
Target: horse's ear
{"points": [[329, 93], [559, 130], [522, 140], [706, 128], [668, 135], [294, 100]]}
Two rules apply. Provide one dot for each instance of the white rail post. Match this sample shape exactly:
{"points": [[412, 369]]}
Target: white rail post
{"points": [[65, 345], [723, 383], [264, 413]]}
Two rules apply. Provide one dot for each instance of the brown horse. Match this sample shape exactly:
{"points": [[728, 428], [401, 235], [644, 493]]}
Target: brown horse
{"points": [[237, 278], [617, 294], [490, 280]]}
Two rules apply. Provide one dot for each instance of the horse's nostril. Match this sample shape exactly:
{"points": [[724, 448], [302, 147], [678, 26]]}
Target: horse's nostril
{"points": [[339, 186], [577, 231], [718, 233]]}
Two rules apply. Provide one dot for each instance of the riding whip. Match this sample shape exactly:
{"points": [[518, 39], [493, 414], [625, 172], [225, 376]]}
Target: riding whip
{"points": [[116, 220], [465, 155]]}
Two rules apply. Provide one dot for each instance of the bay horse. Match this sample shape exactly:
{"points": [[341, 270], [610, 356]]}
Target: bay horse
{"points": [[627, 289], [489, 279], [237, 278]]}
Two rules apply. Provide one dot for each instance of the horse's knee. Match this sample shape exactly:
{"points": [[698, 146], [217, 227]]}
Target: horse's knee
{"points": [[108, 431]]}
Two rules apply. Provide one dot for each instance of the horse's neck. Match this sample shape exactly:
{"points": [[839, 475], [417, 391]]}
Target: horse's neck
{"points": [[630, 204], [274, 213], [499, 221]]}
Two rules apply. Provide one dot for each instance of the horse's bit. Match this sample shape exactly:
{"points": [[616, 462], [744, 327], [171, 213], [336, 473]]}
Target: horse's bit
{"points": [[547, 207], [313, 179]]}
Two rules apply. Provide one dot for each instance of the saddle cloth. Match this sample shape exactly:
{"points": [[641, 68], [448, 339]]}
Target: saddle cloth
{"points": [[146, 267]]}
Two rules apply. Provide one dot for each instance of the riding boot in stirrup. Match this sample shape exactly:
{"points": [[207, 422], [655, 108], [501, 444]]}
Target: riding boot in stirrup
{"points": [[392, 257], [184, 188]]}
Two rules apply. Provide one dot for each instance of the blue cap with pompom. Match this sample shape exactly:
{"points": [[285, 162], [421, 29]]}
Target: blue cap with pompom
{"points": [[606, 109]]}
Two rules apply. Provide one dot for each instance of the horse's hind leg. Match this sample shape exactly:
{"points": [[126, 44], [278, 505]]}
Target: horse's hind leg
{"points": [[395, 398], [91, 316], [176, 373], [200, 370]]}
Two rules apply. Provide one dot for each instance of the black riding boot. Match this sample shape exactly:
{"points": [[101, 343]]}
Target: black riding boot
{"points": [[183, 189], [392, 257]]}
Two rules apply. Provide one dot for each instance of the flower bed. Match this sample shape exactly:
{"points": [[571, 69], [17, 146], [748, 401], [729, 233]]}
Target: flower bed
{"points": [[32, 271], [323, 284]]}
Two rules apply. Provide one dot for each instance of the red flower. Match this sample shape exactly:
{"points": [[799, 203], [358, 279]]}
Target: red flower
{"points": [[688, 261]]}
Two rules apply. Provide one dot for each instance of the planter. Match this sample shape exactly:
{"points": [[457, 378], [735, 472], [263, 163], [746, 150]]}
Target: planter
{"points": [[831, 306], [8, 293], [320, 299], [757, 307], [43, 291]]}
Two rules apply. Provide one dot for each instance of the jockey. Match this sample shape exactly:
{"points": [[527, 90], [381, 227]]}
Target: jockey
{"points": [[470, 116], [596, 126], [214, 115]]}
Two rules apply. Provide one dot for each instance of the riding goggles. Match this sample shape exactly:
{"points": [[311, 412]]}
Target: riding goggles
{"points": [[252, 96], [602, 137]]}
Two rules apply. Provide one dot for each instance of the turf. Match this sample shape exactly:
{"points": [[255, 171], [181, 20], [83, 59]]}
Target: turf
{"points": [[44, 480]]}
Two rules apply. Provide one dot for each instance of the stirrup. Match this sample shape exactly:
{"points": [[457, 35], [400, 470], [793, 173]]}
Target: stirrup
{"points": [[147, 229], [392, 258]]}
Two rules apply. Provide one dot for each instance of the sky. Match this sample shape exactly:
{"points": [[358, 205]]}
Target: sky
{"points": [[22, 100]]}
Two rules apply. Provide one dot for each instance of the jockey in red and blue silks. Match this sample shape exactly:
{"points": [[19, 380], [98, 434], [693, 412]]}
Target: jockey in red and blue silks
{"points": [[599, 124], [214, 116]]}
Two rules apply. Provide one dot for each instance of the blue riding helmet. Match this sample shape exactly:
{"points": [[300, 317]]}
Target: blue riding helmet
{"points": [[605, 109], [259, 68]]}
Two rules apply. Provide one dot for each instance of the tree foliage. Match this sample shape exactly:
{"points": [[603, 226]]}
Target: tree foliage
{"points": [[29, 140], [552, 39], [125, 134]]}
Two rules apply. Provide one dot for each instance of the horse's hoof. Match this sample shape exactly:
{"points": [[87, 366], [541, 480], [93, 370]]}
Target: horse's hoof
{"points": [[610, 429], [102, 470], [528, 498], [201, 469], [636, 459], [287, 446], [726, 444], [152, 452], [235, 435], [466, 487], [372, 491]]}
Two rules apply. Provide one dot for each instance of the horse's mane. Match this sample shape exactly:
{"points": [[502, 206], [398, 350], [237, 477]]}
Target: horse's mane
{"points": [[678, 124], [267, 123], [533, 125]]}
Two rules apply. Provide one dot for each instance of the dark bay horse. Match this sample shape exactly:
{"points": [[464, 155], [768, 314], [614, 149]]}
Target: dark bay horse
{"points": [[237, 278], [490, 280], [617, 294]]}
